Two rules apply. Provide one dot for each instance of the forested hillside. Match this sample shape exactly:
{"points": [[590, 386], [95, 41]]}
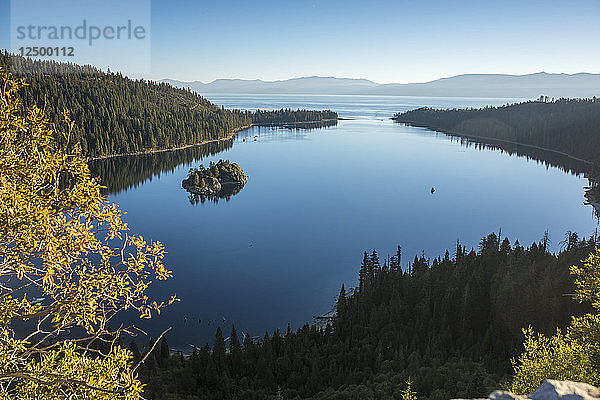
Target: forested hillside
{"points": [[567, 125], [114, 114], [117, 115], [451, 325]]}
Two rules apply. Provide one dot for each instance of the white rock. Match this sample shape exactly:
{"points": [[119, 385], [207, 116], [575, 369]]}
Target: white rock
{"points": [[565, 390], [553, 390]]}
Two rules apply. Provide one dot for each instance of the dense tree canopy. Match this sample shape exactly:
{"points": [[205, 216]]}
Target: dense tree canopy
{"points": [[114, 114], [117, 115], [451, 325], [220, 180], [287, 115], [574, 354]]}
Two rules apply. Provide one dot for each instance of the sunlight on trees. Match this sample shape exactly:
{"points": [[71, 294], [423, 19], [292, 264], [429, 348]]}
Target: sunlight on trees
{"points": [[67, 266], [408, 393], [574, 355]]}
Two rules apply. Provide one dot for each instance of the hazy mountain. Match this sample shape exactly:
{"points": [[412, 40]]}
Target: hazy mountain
{"points": [[306, 85], [470, 85]]}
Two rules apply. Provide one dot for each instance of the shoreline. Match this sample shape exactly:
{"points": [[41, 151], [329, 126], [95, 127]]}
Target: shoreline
{"points": [[594, 202], [153, 151], [228, 137], [283, 124], [487, 138]]}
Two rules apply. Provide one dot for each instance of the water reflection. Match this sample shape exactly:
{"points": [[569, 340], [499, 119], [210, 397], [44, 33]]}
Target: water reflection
{"points": [[226, 192], [547, 158], [305, 125], [119, 174], [124, 173], [279, 251]]}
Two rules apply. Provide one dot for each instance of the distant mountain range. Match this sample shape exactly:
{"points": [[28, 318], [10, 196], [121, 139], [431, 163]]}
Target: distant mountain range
{"points": [[469, 85]]}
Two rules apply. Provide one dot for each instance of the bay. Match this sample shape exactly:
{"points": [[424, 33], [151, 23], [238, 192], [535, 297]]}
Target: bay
{"points": [[277, 252]]}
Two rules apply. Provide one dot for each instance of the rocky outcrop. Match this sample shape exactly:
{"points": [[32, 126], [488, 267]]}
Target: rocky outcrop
{"points": [[209, 186], [553, 390], [218, 180]]}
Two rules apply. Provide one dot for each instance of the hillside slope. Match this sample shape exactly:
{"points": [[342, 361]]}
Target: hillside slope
{"points": [[115, 115]]}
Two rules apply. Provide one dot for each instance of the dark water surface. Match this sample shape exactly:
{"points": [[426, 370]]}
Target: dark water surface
{"points": [[278, 251]]}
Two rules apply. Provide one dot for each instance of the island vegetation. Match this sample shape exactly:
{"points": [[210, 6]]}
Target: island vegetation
{"points": [[220, 180], [567, 126]]}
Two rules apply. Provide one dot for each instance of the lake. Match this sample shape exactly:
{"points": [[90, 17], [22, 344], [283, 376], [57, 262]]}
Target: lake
{"points": [[278, 252]]}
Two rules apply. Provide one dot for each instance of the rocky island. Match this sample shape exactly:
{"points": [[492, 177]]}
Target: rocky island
{"points": [[220, 180]]}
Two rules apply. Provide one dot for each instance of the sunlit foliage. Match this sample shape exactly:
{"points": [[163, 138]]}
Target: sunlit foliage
{"points": [[574, 355], [68, 265]]}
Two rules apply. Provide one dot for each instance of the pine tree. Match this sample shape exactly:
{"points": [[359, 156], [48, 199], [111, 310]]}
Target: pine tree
{"points": [[235, 351], [219, 350]]}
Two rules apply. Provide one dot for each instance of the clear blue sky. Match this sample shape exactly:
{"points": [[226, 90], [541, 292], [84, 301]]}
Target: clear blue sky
{"points": [[385, 41]]}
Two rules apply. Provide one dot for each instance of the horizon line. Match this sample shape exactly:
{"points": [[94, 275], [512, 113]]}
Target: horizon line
{"points": [[375, 82]]}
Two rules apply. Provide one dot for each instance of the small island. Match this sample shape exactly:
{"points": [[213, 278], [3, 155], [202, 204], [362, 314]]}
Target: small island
{"points": [[220, 180]]}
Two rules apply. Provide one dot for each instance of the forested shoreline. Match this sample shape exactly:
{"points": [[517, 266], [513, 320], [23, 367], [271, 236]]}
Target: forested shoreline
{"points": [[115, 116], [570, 127], [289, 116], [450, 324]]}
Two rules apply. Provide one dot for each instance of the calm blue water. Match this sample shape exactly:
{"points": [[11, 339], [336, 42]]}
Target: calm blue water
{"points": [[358, 107], [316, 199]]}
